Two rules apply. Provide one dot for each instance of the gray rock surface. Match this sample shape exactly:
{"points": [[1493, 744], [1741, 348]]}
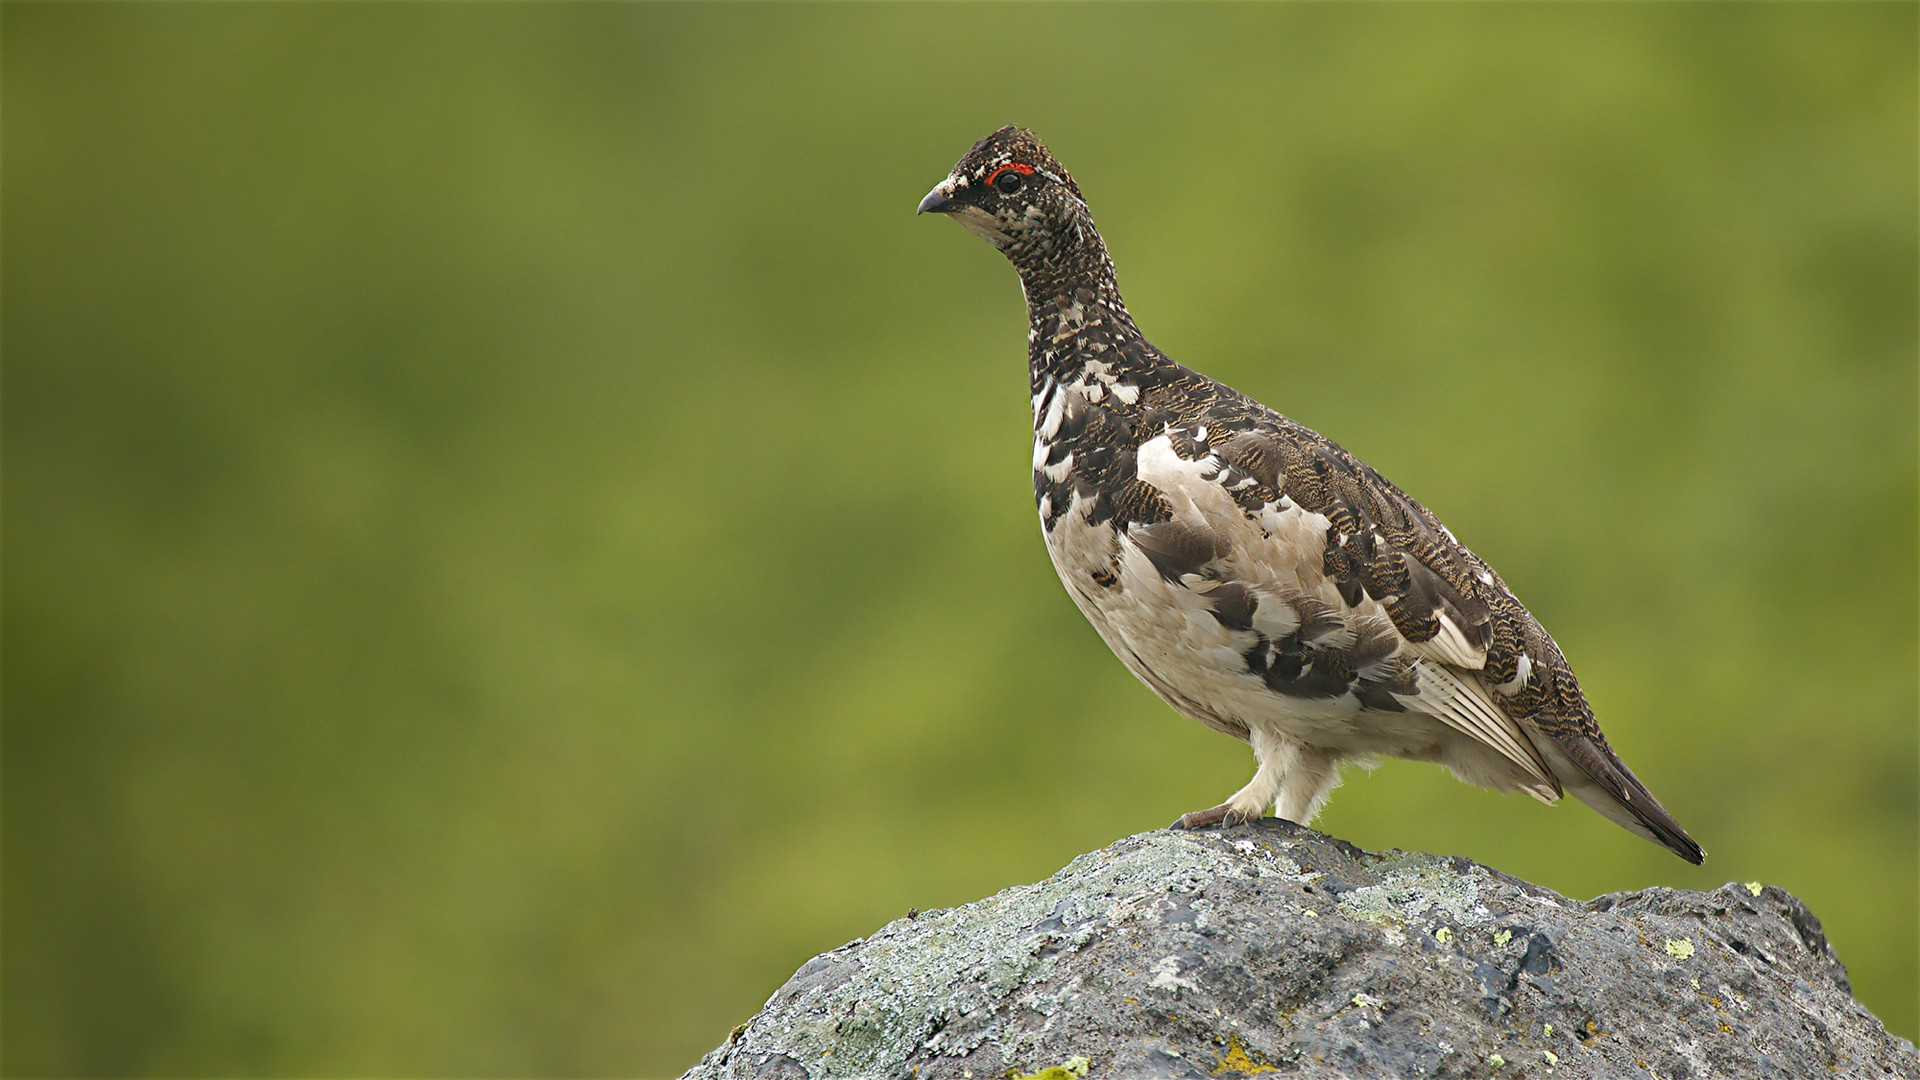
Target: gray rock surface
{"points": [[1276, 948]]}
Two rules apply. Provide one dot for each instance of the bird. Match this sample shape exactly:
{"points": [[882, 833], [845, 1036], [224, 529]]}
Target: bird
{"points": [[1252, 573]]}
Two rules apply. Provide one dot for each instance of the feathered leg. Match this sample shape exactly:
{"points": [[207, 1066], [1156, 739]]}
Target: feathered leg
{"points": [[1314, 775], [1299, 777]]}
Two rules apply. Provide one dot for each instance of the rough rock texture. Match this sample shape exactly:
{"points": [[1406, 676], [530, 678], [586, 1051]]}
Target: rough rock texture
{"points": [[1276, 948]]}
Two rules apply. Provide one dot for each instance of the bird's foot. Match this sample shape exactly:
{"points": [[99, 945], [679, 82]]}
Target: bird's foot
{"points": [[1223, 816]]}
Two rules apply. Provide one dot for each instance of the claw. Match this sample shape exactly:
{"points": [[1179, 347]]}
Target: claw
{"points": [[1202, 819]]}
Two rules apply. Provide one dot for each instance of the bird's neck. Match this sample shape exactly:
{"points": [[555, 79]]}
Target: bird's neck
{"points": [[1070, 327], [1074, 309]]}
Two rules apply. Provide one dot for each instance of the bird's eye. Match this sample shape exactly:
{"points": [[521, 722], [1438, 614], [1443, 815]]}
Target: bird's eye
{"points": [[1007, 178]]}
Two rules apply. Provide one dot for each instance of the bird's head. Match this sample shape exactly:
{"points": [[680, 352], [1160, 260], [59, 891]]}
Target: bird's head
{"points": [[1009, 191]]}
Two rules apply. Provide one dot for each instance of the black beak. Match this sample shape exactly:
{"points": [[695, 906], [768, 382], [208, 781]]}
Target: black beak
{"points": [[935, 202]]}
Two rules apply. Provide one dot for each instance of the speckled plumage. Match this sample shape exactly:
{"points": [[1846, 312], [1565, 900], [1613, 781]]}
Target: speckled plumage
{"points": [[1255, 575]]}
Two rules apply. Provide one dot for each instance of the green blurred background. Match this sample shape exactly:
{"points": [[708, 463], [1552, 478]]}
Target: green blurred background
{"points": [[517, 537]]}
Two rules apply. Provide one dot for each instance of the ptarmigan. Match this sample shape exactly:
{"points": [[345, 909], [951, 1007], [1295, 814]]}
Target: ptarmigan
{"points": [[1255, 575]]}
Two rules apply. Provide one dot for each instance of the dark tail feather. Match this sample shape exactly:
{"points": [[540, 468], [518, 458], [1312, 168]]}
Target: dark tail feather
{"points": [[1613, 790]]}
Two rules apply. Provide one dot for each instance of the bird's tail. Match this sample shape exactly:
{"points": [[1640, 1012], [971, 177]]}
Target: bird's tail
{"points": [[1591, 772]]}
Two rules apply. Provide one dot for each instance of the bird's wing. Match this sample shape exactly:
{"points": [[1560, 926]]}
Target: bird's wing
{"points": [[1460, 700], [1298, 500], [1379, 543]]}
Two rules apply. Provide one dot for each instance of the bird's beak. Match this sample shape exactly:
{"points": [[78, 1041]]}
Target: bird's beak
{"points": [[937, 200], [964, 213]]}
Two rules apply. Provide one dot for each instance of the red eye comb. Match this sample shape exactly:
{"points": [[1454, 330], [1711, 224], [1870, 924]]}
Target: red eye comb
{"points": [[1023, 170]]}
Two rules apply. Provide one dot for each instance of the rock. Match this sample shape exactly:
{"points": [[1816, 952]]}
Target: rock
{"points": [[1276, 948]]}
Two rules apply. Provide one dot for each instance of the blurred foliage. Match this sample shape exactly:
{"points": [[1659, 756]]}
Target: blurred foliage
{"points": [[517, 536]]}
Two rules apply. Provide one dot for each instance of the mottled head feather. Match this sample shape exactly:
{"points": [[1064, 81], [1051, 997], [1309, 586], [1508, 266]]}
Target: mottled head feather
{"points": [[1009, 191], [1007, 146]]}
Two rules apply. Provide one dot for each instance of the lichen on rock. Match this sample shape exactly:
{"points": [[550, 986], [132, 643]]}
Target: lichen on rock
{"points": [[1274, 948]]}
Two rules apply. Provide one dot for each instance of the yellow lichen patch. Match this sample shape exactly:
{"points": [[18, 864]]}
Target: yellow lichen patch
{"points": [[1552, 1058], [1443, 935], [1754, 887], [1496, 1061], [1237, 1060], [1681, 949], [1070, 1069], [1502, 938]]}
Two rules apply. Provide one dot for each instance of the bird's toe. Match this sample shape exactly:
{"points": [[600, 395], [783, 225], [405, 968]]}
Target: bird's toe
{"points": [[1202, 819]]}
